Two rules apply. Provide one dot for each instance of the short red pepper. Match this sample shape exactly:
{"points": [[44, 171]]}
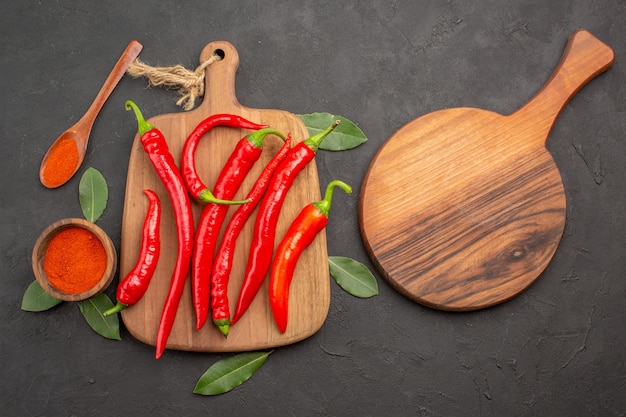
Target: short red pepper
{"points": [[301, 233], [156, 148], [134, 285], [247, 151], [194, 184], [224, 258], [262, 246]]}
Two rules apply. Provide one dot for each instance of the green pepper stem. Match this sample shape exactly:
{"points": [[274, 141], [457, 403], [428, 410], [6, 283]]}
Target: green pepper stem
{"points": [[324, 205], [256, 138], [115, 309], [143, 126], [315, 141], [206, 196], [223, 325]]}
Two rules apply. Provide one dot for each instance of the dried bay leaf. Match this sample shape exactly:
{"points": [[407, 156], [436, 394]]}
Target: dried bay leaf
{"points": [[93, 309], [229, 373], [346, 136], [37, 299], [93, 194], [354, 277]]}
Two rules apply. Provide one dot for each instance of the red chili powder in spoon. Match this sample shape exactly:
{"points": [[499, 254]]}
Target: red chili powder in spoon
{"points": [[61, 163]]}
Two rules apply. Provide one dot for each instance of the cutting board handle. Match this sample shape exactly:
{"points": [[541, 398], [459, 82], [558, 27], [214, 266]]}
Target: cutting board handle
{"points": [[219, 79], [584, 58]]}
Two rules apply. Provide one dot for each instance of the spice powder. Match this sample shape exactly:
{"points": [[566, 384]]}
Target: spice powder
{"points": [[61, 163], [75, 260]]}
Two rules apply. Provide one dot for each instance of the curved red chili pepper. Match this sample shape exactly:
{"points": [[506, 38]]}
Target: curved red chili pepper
{"points": [[164, 165], [224, 259], [262, 246], [247, 151], [134, 285], [194, 184], [301, 233]]}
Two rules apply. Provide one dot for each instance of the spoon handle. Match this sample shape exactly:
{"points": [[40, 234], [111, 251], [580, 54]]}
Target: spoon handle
{"points": [[128, 56]]}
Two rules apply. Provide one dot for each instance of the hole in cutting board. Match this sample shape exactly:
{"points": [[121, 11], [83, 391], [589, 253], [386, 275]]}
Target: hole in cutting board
{"points": [[220, 53]]}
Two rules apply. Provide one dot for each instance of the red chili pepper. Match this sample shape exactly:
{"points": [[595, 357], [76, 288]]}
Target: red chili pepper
{"points": [[301, 233], [162, 160], [134, 285], [262, 246], [224, 258], [247, 151], [194, 184]]}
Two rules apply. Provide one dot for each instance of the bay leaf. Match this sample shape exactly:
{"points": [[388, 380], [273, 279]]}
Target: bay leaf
{"points": [[229, 373], [93, 194], [93, 309], [353, 276], [345, 136], [37, 299]]}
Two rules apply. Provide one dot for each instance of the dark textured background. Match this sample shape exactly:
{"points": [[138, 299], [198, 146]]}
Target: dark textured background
{"points": [[555, 350]]}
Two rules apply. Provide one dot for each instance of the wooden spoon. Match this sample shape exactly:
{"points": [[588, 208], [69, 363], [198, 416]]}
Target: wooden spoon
{"points": [[464, 208], [78, 134]]}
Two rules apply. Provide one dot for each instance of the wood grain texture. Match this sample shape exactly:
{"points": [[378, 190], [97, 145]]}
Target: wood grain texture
{"points": [[310, 290], [463, 208]]}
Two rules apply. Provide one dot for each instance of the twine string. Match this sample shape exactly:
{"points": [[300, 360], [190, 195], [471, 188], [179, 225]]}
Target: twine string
{"points": [[190, 84]]}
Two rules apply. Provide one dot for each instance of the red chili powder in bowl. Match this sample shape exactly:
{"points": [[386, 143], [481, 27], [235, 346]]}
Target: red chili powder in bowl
{"points": [[75, 260]]}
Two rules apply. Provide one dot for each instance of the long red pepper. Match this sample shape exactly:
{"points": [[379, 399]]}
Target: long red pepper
{"points": [[134, 285], [247, 151], [224, 258], [301, 233], [262, 246], [156, 148], [194, 184]]}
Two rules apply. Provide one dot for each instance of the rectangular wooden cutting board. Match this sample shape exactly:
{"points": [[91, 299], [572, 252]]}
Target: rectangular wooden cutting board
{"points": [[310, 289]]}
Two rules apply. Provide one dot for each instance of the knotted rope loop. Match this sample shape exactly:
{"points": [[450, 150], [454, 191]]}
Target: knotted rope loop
{"points": [[190, 84]]}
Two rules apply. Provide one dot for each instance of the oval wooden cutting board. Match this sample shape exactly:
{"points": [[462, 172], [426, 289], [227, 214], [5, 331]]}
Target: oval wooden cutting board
{"points": [[464, 208], [310, 290]]}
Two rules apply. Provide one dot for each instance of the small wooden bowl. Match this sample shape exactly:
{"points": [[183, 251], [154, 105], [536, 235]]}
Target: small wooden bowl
{"points": [[39, 252]]}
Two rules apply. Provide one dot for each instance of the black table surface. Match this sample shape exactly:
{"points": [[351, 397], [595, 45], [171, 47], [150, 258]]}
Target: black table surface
{"points": [[557, 349]]}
